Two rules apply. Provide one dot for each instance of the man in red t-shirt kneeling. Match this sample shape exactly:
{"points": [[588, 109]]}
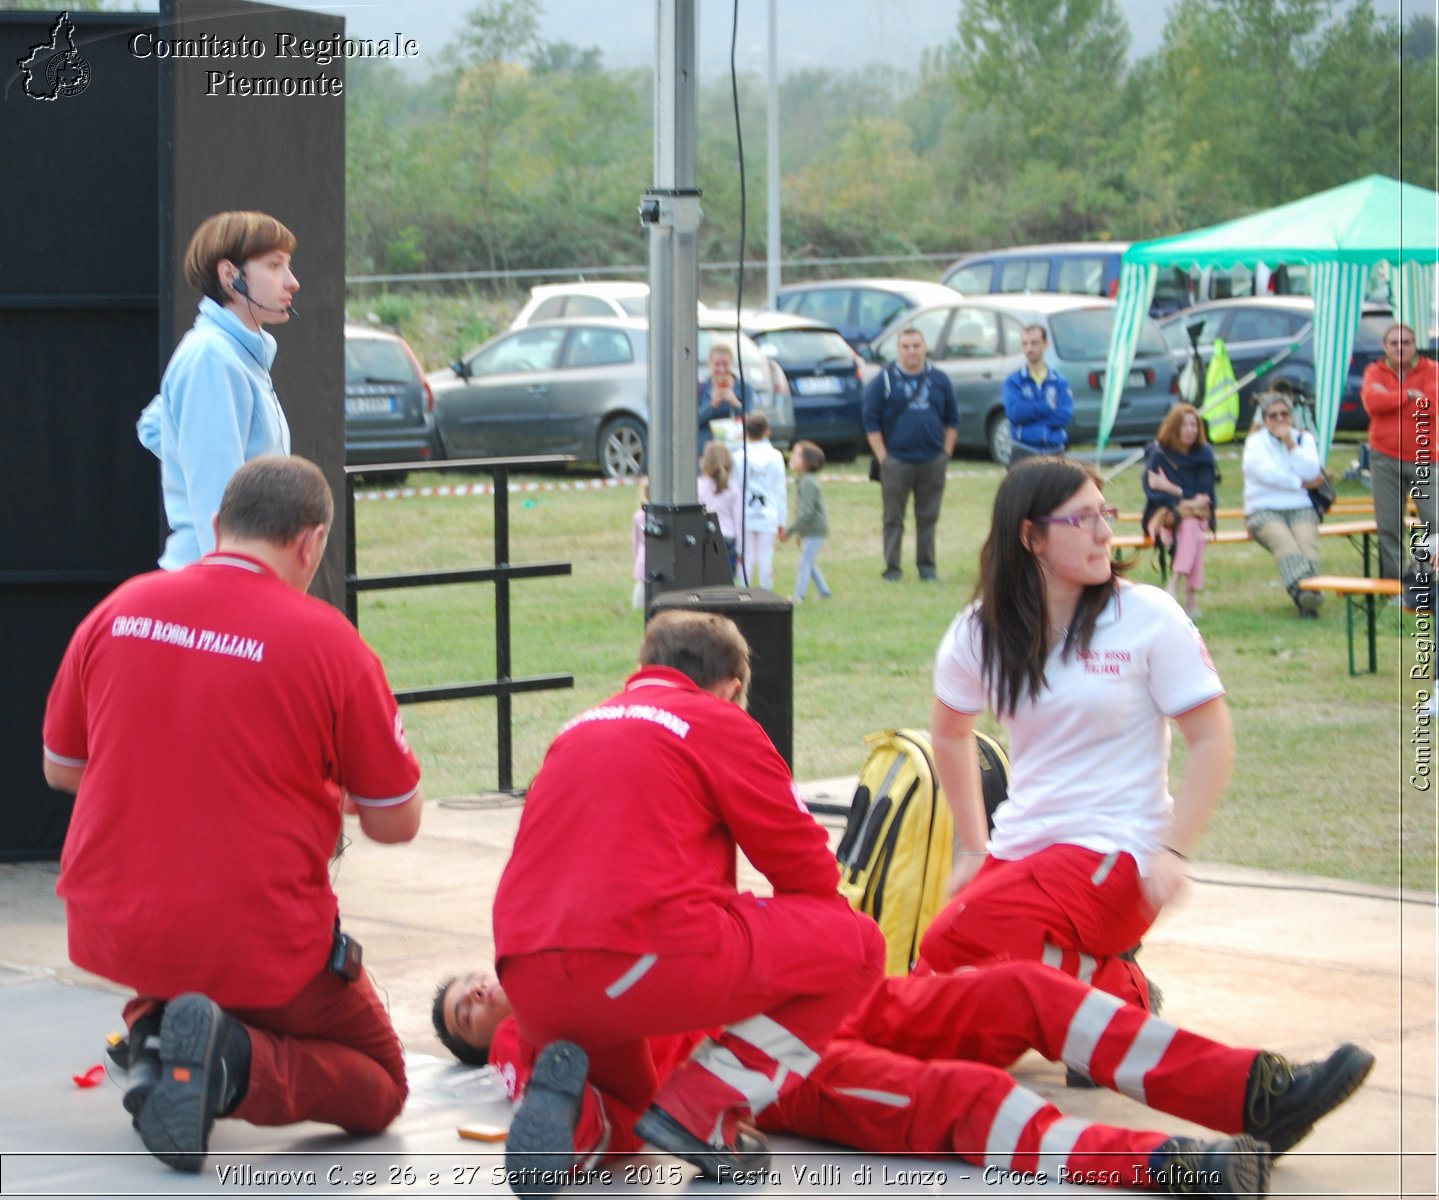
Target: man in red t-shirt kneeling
{"points": [[214, 723]]}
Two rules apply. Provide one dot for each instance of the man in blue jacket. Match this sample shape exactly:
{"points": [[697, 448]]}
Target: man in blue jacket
{"points": [[911, 420], [1037, 400]]}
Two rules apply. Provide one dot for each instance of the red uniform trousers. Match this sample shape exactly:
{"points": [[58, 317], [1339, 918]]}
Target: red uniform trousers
{"points": [[994, 1014], [1068, 907], [329, 1055], [799, 962], [888, 1103], [896, 1080]]}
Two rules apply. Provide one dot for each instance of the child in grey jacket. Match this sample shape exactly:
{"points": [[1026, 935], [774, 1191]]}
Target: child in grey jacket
{"points": [[811, 526]]}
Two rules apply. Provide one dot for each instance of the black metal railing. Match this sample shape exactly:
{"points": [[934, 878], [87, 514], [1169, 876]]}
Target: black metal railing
{"points": [[504, 685]]}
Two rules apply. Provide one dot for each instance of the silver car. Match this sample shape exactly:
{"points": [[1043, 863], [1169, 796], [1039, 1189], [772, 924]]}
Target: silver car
{"points": [[975, 341], [569, 387]]}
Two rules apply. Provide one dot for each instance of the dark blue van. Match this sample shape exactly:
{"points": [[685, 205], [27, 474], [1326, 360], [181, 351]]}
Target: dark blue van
{"points": [[1075, 268]]}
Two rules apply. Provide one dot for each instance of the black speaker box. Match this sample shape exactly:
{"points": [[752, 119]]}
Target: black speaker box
{"points": [[767, 622]]}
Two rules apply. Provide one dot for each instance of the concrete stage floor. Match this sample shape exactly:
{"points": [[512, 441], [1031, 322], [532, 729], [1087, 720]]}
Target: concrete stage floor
{"points": [[1289, 963]]}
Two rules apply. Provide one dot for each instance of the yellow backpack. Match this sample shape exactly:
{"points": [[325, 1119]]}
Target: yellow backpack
{"points": [[897, 850]]}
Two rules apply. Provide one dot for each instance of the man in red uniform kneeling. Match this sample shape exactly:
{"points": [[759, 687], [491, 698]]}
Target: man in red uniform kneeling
{"points": [[213, 723], [618, 918]]}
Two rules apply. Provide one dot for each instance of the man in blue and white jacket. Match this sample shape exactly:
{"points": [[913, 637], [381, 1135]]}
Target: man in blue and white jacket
{"points": [[1037, 399]]}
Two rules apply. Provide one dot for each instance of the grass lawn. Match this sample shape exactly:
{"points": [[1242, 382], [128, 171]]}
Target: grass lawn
{"points": [[1320, 781]]}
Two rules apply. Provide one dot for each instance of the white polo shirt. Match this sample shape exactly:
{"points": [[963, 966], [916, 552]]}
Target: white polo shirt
{"points": [[1090, 757]]}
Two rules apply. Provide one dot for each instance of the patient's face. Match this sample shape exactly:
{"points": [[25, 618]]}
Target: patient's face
{"points": [[474, 1005]]}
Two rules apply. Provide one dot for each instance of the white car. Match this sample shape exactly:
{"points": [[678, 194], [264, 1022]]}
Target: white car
{"points": [[611, 298]]}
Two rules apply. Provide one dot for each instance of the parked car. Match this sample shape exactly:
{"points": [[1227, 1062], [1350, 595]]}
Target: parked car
{"points": [[1072, 268], [1257, 328], [630, 298], [566, 387], [821, 372], [859, 308], [389, 407], [607, 298], [975, 341]]}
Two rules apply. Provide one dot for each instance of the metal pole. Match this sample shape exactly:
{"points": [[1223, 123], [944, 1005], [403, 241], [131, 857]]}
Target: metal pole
{"points": [[671, 213], [683, 548], [772, 162], [503, 668], [352, 601]]}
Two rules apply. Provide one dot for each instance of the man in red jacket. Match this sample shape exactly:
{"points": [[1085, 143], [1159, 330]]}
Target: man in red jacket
{"points": [[617, 917], [1400, 393], [917, 1068]]}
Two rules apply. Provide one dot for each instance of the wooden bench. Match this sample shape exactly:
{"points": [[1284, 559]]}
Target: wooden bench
{"points": [[1357, 505], [1355, 591], [1362, 530], [1345, 506]]}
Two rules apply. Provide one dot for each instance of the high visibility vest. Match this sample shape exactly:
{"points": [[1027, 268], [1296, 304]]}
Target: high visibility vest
{"points": [[1221, 414]]}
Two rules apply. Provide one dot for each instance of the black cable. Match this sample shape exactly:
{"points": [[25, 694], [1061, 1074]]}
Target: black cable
{"points": [[739, 297]]}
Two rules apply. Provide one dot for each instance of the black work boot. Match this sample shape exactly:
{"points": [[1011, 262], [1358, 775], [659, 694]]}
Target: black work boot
{"points": [[204, 1073], [1231, 1166], [736, 1150], [1283, 1100], [540, 1151], [137, 1055]]}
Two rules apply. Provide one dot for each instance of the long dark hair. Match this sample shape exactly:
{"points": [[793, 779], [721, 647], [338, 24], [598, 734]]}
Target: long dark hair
{"points": [[1013, 619]]}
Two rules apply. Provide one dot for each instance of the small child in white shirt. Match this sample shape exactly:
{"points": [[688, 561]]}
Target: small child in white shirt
{"points": [[763, 485]]}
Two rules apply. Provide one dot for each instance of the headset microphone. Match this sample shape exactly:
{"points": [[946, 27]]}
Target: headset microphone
{"points": [[243, 289]]}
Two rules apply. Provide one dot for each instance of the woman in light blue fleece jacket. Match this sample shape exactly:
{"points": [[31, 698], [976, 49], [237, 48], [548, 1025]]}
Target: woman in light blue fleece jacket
{"points": [[217, 407]]}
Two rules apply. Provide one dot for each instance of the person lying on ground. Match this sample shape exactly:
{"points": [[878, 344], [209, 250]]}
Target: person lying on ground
{"points": [[918, 1068]]}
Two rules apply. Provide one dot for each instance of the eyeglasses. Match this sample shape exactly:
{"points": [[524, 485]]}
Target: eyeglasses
{"points": [[1278, 414], [1087, 520]]}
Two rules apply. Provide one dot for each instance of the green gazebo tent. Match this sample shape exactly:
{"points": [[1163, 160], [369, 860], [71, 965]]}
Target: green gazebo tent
{"points": [[1342, 232]]}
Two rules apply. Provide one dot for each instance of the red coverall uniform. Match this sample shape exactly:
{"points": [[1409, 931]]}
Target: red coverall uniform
{"points": [[917, 1068], [617, 917]]}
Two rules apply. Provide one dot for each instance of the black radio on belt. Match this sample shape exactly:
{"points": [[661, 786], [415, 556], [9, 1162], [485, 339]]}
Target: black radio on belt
{"points": [[346, 956]]}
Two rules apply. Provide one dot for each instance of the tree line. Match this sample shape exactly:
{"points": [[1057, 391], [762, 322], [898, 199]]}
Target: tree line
{"points": [[1031, 123]]}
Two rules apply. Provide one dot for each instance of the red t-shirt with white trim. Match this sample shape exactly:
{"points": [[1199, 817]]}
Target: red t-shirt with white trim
{"points": [[628, 837], [216, 712]]}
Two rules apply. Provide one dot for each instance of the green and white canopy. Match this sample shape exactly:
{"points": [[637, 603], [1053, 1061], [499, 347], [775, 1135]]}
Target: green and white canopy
{"points": [[1343, 232]]}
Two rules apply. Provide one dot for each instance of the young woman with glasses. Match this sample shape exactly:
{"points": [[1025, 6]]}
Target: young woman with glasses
{"points": [[1085, 671], [1281, 464]]}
